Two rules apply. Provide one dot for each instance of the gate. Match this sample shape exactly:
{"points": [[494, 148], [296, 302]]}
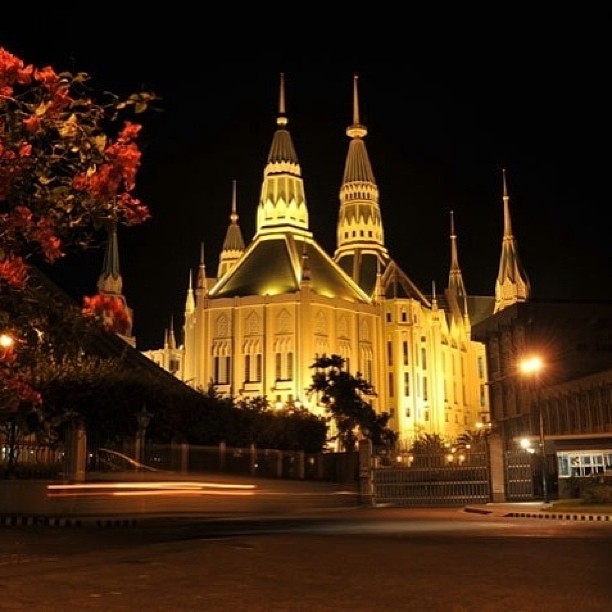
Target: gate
{"points": [[431, 480], [520, 472]]}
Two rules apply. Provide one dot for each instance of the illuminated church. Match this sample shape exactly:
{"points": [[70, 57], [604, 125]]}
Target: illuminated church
{"points": [[280, 301]]}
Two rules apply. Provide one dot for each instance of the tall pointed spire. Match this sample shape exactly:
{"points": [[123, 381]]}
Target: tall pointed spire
{"points": [[282, 203], [273, 262], [233, 245], [360, 235], [201, 287], [110, 280], [190, 301], [117, 316], [455, 278], [512, 284], [171, 336]]}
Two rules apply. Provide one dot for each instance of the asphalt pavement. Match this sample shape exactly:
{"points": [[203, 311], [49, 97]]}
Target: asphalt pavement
{"points": [[122, 504]]}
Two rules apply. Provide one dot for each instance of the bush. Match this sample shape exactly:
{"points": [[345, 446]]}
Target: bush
{"points": [[597, 491]]}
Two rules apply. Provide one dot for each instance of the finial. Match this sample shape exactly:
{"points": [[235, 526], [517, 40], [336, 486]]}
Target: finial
{"points": [[282, 119], [234, 215], [506, 200], [355, 101], [356, 130]]}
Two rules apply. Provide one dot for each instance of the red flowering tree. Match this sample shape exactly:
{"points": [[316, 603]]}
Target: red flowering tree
{"points": [[68, 165], [110, 310]]}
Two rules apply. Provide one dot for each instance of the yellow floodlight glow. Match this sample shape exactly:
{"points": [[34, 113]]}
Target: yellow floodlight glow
{"points": [[6, 341], [531, 365]]}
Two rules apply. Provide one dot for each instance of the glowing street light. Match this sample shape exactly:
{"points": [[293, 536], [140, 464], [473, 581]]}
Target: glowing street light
{"points": [[532, 366], [7, 342]]}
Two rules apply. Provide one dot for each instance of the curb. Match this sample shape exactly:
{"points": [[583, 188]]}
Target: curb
{"points": [[564, 516], [57, 521]]}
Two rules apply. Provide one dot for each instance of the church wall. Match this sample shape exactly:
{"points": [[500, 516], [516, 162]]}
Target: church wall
{"points": [[430, 377], [296, 327], [434, 382]]}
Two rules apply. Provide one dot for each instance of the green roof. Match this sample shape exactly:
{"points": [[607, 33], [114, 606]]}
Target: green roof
{"points": [[274, 265]]}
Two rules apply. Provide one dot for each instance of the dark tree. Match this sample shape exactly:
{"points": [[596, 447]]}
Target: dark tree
{"points": [[345, 399]]}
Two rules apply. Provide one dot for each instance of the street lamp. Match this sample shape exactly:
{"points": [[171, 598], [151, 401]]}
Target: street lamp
{"points": [[532, 366], [7, 343], [143, 418]]}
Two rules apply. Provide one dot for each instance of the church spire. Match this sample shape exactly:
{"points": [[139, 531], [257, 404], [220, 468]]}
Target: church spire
{"points": [[360, 235], [110, 280], [455, 278], [512, 284], [110, 304], [233, 245], [201, 288], [282, 203], [171, 336], [190, 301]]}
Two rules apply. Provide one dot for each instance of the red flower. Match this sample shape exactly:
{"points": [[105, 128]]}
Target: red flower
{"points": [[46, 75], [129, 132], [12, 71], [32, 124], [14, 271], [110, 310]]}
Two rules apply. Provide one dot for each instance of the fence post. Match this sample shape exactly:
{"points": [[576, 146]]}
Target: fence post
{"points": [[366, 480], [496, 468], [76, 453], [301, 468]]}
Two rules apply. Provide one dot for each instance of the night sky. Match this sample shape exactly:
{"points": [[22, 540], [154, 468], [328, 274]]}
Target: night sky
{"points": [[444, 115]]}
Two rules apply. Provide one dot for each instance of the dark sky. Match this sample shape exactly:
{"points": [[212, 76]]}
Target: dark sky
{"points": [[446, 110]]}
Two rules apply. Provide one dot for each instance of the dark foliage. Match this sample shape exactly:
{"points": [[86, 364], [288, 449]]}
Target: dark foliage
{"points": [[343, 396]]}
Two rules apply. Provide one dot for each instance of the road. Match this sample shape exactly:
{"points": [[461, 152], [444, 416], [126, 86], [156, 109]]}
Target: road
{"points": [[357, 559]]}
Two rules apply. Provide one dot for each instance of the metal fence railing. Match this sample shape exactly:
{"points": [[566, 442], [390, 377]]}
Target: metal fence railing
{"points": [[520, 475], [223, 459], [431, 480], [31, 460]]}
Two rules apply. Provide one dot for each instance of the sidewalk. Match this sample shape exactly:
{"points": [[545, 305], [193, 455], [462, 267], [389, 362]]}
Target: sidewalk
{"points": [[549, 511]]}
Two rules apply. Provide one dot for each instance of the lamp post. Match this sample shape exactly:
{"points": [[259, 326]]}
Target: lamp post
{"points": [[532, 366], [143, 418]]}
